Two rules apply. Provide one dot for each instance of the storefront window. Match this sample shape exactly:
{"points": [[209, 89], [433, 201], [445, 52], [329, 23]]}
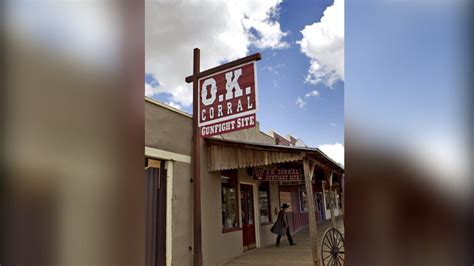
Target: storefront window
{"points": [[229, 201], [303, 200], [264, 202]]}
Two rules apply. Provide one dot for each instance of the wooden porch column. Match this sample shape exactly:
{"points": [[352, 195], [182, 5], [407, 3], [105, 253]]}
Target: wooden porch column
{"points": [[332, 201], [308, 167]]}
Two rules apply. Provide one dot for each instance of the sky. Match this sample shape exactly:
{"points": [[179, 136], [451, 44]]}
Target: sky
{"points": [[408, 70], [300, 77]]}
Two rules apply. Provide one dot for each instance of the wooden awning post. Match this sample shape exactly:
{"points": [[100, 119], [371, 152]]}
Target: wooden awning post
{"points": [[308, 167], [332, 201]]}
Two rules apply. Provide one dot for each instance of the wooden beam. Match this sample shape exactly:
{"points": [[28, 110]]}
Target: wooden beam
{"points": [[332, 200], [308, 166], [196, 76], [196, 166]]}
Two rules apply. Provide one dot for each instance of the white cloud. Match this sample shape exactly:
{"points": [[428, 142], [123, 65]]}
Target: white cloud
{"points": [[223, 30], [323, 43], [150, 90], [301, 102], [313, 93], [84, 32], [274, 69], [275, 83], [334, 151], [175, 105]]}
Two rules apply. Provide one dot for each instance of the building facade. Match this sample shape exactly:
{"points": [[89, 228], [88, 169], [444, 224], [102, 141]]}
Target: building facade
{"points": [[237, 211]]}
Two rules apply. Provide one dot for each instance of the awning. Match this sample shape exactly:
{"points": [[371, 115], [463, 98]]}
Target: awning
{"points": [[231, 154]]}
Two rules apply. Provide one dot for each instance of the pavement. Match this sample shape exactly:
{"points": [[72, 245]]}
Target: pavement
{"points": [[285, 255]]}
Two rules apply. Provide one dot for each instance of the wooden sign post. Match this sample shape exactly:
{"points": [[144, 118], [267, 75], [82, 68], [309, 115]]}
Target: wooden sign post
{"points": [[196, 163], [224, 100]]}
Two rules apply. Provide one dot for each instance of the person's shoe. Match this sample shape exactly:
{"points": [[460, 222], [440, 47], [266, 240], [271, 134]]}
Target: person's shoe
{"points": [[277, 245], [293, 244]]}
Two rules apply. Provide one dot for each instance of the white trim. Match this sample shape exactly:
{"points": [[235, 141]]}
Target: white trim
{"points": [[256, 212], [225, 118], [256, 84], [153, 101], [167, 155], [169, 214]]}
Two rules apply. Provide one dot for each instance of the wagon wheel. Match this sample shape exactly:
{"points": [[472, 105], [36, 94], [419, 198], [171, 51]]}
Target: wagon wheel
{"points": [[332, 248]]}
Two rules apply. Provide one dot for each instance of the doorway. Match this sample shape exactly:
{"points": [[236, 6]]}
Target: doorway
{"points": [[155, 178], [319, 205], [248, 219]]}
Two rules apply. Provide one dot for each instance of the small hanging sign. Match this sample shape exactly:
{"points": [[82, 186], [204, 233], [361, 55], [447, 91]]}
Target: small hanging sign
{"points": [[277, 174]]}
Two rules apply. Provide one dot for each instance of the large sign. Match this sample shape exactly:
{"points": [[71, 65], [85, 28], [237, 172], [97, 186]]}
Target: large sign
{"points": [[227, 100], [263, 174]]}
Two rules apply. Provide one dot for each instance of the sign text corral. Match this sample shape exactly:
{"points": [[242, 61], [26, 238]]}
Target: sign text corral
{"points": [[228, 100]]}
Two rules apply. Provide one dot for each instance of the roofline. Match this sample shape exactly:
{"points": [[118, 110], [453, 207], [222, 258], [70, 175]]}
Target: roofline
{"points": [[329, 158], [275, 146], [155, 102], [267, 134], [274, 132], [176, 110]]}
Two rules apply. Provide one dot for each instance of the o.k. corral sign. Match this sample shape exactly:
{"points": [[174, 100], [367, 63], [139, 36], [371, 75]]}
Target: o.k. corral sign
{"points": [[227, 100], [224, 100]]}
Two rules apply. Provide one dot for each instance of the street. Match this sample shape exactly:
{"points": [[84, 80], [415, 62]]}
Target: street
{"points": [[285, 255]]}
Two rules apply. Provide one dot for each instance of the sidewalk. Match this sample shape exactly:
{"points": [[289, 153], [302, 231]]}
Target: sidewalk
{"points": [[286, 255]]}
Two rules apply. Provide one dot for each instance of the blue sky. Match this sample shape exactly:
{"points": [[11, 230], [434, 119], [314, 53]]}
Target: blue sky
{"points": [[321, 120], [282, 77], [408, 82]]}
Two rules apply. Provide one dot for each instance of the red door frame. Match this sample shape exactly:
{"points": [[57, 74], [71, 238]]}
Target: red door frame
{"points": [[248, 229]]}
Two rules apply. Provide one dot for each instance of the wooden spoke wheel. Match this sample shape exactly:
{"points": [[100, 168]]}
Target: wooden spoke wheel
{"points": [[332, 248]]}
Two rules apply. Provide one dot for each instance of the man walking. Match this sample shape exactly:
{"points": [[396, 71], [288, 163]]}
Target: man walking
{"points": [[281, 226]]}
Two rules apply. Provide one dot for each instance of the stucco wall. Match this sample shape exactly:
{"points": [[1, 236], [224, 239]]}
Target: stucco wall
{"points": [[171, 131], [167, 130], [217, 247], [182, 229], [250, 135]]}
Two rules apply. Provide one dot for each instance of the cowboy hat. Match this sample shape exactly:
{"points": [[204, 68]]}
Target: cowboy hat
{"points": [[284, 206]]}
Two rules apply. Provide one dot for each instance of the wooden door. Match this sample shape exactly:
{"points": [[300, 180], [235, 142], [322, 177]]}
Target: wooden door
{"points": [[155, 215], [248, 219]]}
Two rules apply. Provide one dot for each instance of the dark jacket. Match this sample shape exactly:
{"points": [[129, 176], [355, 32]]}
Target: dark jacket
{"points": [[281, 224]]}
